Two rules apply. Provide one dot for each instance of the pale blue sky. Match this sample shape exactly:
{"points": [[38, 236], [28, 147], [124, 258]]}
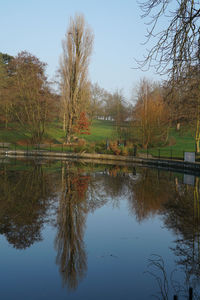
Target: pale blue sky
{"points": [[39, 26]]}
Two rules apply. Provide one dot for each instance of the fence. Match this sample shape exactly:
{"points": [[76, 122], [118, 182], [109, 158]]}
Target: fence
{"points": [[160, 153], [168, 153]]}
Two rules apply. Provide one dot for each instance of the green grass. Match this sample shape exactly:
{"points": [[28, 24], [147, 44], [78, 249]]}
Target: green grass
{"points": [[101, 130], [180, 141], [13, 134]]}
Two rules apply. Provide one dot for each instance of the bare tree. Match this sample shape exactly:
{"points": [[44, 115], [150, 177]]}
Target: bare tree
{"points": [[75, 86], [96, 101], [178, 45], [150, 114]]}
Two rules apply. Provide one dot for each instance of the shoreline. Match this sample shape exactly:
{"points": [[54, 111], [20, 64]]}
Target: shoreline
{"points": [[163, 163]]}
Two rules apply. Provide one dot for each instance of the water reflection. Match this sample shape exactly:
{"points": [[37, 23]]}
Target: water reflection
{"points": [[24, 200], [178, 204], [27, 194], [149, 192], [71, 256], [81, 193], [183, 217]]}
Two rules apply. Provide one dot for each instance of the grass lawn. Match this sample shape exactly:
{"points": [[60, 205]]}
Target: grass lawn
{"points": [[180, 141], [101, 130]]}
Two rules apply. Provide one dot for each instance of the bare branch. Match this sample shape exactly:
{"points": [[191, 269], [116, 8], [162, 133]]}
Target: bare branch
{"points": [[178, 45]]}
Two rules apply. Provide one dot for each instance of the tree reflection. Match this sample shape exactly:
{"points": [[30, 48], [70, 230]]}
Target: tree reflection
{"points": [[179, 205], [24, 198], [149, 192], [183, 217], [115, 184], [72, 212]]}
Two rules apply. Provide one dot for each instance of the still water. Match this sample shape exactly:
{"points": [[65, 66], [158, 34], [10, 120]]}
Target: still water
{"points": [[85, 231]]}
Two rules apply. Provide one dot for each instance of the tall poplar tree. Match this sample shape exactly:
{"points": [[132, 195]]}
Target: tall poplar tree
{"points": [[74, 62]]}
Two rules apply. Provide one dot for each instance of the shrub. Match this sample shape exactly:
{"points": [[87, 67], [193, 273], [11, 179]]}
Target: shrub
{"points": [[77, 149], [81, 142], [79, 146], [124, 151], [90, 148], [114, 147], [100, 147]]}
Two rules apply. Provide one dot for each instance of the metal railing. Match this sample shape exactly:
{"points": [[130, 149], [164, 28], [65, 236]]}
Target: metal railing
{"points": [[159, 153], [169, 153]]}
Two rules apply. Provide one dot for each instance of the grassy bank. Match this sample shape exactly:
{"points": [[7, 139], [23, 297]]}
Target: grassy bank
{"points": [[100, 130], [179, 141]]}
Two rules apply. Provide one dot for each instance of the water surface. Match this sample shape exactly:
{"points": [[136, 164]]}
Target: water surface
{"points": [[83, 231]]}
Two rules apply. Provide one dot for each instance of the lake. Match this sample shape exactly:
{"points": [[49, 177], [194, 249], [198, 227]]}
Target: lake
{"points": [[73, 230]]}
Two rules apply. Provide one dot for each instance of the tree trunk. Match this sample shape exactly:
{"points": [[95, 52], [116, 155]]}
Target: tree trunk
{"points": [[197, 137], [178, 125], [69, 129], [197, 146], [64, 122]]}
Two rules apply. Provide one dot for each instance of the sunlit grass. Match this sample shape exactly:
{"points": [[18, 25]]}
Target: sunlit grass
{"points": [[179, 141], [100, 131], [182, 141]]}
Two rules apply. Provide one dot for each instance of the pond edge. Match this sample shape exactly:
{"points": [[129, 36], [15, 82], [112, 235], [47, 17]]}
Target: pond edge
{"points": [[164, 163]]}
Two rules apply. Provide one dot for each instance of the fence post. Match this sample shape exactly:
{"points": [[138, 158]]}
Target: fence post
{"points": [[171, 153], [190, 293], [107, 144], [135, 150]]}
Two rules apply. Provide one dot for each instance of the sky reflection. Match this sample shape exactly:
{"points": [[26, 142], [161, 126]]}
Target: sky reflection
{"points": [[88, 232]]}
